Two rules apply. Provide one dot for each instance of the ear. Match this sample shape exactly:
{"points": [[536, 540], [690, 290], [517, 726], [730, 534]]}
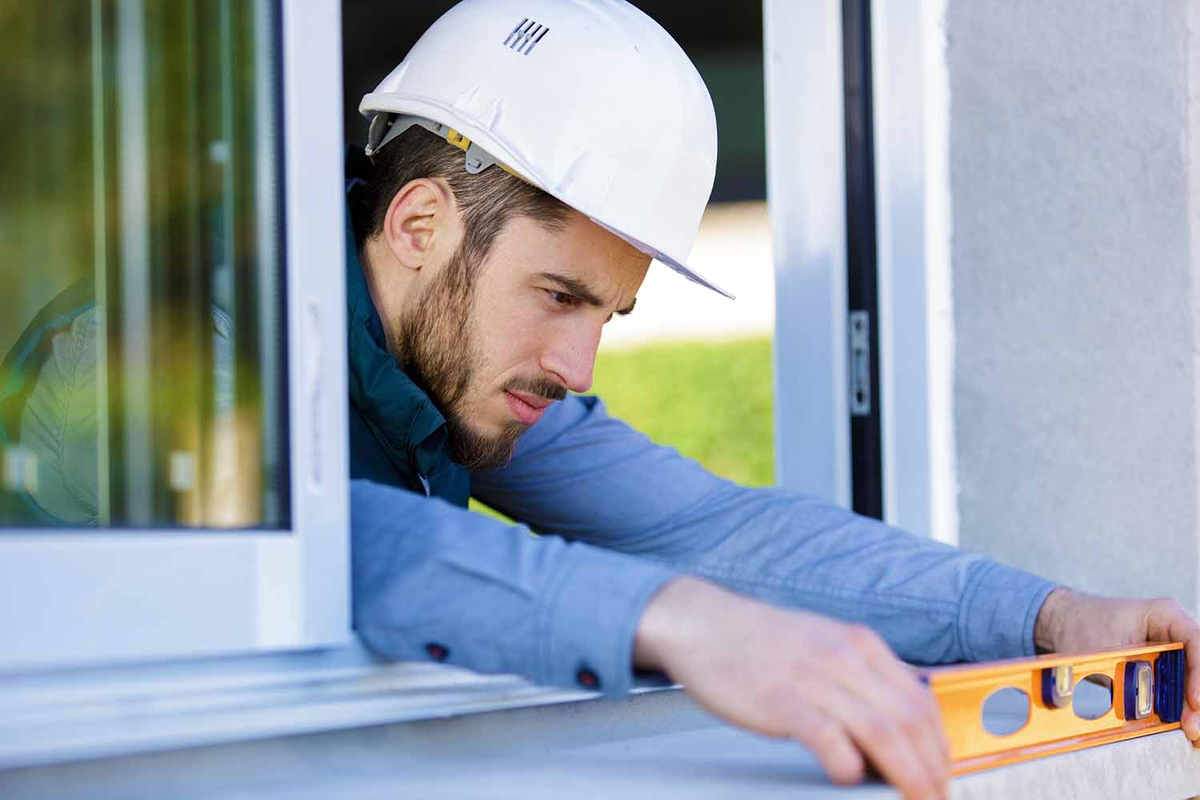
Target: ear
{"points": [[418, 221]]}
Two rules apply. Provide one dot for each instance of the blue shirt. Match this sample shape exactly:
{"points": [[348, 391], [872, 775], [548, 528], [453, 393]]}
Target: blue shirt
{"points": [[618, 517]]}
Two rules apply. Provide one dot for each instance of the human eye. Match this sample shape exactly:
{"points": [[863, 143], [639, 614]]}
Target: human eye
{"points": [[562, 299]]}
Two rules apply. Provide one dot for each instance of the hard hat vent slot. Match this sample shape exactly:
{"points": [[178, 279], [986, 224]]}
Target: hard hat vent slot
{"points": [[525, 36]]}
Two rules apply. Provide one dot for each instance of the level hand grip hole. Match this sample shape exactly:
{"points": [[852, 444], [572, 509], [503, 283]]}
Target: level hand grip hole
{"points": [[1093, 697], [1005, 711]]}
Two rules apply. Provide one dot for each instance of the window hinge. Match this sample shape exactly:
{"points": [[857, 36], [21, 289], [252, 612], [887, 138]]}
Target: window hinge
{"points": [[860, 363]]}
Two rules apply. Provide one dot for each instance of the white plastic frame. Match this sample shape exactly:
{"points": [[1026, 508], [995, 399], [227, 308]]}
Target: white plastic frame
{"points": [[807, 198], [916, 327], [97, 597]]}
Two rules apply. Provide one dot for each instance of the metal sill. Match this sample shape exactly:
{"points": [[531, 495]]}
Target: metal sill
{"points": [[78, 714]]}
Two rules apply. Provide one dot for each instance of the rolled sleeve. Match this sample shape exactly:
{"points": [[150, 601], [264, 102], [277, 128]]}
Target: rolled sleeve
{"points": [[584, 475], [590, 622], [434, 581], [999, 611]]}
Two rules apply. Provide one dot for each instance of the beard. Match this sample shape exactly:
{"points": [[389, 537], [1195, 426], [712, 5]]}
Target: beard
{"points": [[437, 346]]}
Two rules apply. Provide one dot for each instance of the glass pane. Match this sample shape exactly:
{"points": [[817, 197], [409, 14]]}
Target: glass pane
{"points": [[140, 206]]}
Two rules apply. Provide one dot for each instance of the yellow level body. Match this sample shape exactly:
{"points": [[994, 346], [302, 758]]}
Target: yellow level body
{"points": [[1052, 726]]}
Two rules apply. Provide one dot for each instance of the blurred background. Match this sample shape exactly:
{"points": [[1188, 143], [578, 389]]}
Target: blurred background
{"points": [[141, 344]]}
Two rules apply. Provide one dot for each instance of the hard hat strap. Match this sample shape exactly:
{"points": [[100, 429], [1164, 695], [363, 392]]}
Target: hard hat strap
{"points": [[386, 126]]}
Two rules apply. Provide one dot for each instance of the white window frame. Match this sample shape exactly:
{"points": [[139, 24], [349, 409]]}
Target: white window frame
{"points": [[80, 598], [807, 202], [912, 190]]}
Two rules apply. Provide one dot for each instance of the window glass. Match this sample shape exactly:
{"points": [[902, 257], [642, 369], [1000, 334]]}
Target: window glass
{"points": [[142, 380]]}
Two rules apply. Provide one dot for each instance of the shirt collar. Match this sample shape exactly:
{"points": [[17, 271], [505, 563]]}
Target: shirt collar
{"points": [[401, 413]]}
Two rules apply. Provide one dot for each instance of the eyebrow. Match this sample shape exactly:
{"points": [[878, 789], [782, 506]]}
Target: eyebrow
{"points": [[581, 290]]}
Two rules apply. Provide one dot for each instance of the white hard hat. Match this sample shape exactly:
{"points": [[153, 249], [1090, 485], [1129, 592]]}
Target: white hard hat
{"points": [[589, 100]]}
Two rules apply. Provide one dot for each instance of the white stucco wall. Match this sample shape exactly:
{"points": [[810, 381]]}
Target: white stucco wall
{"points": [[1073, 171]]}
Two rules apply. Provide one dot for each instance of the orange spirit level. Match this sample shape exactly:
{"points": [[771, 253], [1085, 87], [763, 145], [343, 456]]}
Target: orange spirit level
{"points": [[1147, 685]]}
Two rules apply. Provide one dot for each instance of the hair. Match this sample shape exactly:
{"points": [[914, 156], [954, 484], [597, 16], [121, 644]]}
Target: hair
{"points": [[487, 200]]}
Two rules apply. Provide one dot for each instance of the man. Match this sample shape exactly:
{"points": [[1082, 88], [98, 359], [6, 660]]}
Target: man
{"points": [[526, 160]]}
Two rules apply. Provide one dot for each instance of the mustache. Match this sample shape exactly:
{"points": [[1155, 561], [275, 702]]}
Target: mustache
{"points": [[542, 387]]}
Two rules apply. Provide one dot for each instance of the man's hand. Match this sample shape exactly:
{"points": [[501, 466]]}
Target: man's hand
{"points": [[833, 687], [1074, 622]]}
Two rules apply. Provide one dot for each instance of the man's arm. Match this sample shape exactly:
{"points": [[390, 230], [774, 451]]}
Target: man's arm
{"points": [[431, 580], [782, 671], [584, 475]]}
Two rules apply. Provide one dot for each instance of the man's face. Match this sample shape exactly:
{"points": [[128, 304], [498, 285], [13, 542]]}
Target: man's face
{"points": [[495, 351]]}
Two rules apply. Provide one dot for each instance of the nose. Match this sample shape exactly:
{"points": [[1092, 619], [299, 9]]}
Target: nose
{"points": [[570, 356]]}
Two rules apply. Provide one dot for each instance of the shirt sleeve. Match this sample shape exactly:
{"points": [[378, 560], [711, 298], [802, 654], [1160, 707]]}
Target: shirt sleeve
{"points": [[583, 475], [432, 580]]}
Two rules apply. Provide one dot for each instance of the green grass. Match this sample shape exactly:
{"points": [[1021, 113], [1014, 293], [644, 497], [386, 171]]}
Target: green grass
{"points": [[712, 401]]}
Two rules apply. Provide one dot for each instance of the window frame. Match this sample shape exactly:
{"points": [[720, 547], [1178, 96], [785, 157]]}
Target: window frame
{"points": [[916, 324], [75, 597], [806, 203], [807, 200]]}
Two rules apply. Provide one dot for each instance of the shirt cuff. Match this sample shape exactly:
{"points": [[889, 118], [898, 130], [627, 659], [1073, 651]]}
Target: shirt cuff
{"points": [[589, 623], [999, 611]]}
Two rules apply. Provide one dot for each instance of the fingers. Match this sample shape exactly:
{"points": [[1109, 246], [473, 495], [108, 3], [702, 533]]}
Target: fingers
{"points": [[830, 743], [1167, 621], [835, 688], [914, 697], [1190, 722], [1192, 655], [867, 706], [923, 734], [901, 717], [1193, 674], [889, 742], [1170, 622], [1186, 631], [888, 713]]}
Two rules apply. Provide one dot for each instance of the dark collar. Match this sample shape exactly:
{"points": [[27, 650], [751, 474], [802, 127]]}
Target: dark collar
{"points": [[405, 421]]}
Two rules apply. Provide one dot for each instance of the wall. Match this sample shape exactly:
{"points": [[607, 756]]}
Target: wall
{"points": [[1073, 183]]}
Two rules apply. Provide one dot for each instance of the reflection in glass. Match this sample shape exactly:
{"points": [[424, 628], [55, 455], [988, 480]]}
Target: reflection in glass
{"points": [[142, 338]]}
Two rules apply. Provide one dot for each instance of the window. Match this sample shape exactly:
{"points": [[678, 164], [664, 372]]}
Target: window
{"points": [[144, 389], [168, 485]]}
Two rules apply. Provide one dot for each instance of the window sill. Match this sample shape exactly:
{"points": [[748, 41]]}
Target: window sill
{"points": [[119, 710], [655, 745]]}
